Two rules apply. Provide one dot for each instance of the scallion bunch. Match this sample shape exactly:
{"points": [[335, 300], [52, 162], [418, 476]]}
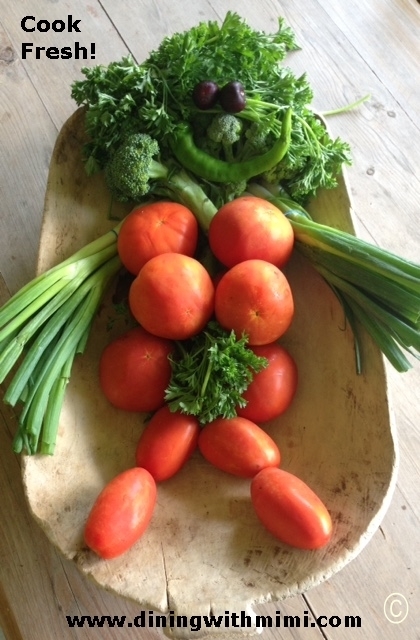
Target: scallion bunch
{"points": [[48, 321]]}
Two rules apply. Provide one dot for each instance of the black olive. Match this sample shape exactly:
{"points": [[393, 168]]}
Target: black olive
{"points": [[205, 94], [232, 97]]}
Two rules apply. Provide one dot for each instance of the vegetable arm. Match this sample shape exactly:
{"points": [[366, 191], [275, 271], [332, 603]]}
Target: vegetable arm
{"points": [[50, 318]]}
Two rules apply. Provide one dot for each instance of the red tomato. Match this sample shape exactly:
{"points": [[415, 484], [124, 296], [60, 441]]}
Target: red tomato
{"points": [[238, 446], [290, 510], [272, 389], [172, 296], [134, 370], [121, 513], [254, 297], [167, 442], [251, 228], [152, 229]]}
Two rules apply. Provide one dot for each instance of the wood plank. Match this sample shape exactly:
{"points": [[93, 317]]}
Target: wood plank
{"points": [[27, 136], [52, 78], [35, 101], [387, 35]]}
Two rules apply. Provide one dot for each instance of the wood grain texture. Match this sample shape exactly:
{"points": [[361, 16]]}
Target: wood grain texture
{"points": [[348, 50]]}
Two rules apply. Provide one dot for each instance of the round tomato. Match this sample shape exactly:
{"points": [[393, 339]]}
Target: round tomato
{"points": [[172, 296], [238, 446], [290, 510], [152, 229], [251, 228], [134, 370], [272, 389], [254, 297], [121, 513], [167, 442]]}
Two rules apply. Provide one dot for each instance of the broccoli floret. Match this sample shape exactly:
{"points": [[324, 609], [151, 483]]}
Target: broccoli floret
{"points": [[226, 191], [132, 166], [132, 172], [225, 129], [255, 141], [256, 137]]}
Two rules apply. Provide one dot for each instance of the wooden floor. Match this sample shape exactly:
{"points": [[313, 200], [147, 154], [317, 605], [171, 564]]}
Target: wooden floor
{"points": [[349, 49]]}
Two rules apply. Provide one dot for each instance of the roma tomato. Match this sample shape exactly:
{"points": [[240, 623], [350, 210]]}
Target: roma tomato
{"points": [[251, 228], [254, 297], [121, 513], [238, 446], [167, 442], [152, 229], [290, 510], [172, 296], [272, 389], [134, 370]]}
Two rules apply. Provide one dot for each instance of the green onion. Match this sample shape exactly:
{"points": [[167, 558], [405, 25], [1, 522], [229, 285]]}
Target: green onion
{"points": [[376, 288], [49, 321]]}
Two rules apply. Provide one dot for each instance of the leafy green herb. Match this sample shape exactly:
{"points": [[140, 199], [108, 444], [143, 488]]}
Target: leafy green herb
{"points": [[211, 374]]}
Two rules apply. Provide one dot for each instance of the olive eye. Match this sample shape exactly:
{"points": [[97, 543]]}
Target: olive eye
{"points": [[232, 97], [205, 94]]}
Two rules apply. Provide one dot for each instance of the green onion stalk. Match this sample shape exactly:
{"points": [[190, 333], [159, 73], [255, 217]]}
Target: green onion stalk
{"points": [[48, 321], [376, 288]]}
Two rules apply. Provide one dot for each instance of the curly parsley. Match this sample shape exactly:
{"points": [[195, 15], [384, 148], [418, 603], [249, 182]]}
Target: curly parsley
{"points": [[211, 374]]}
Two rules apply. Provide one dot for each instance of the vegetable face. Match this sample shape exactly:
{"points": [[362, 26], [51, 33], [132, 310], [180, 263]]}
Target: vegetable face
{"points": [[152, 229], [290, 510], [251, 228], [172, 296], [254, 297], [134, 370], [167, 442], [122, 93], [238, 446], [273, 389], [121, 513]]}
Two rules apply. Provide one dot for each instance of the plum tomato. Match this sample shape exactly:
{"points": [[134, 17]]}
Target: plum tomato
{"points": [[249, 227], [254, 297], [290, 510], [172, 296], [168, 440], [272, 389], [121, 513], [134, 370], [238, 446], [154, 228]]}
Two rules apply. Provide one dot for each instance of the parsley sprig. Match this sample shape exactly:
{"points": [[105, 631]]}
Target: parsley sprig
{"points": [[211, 374]]}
